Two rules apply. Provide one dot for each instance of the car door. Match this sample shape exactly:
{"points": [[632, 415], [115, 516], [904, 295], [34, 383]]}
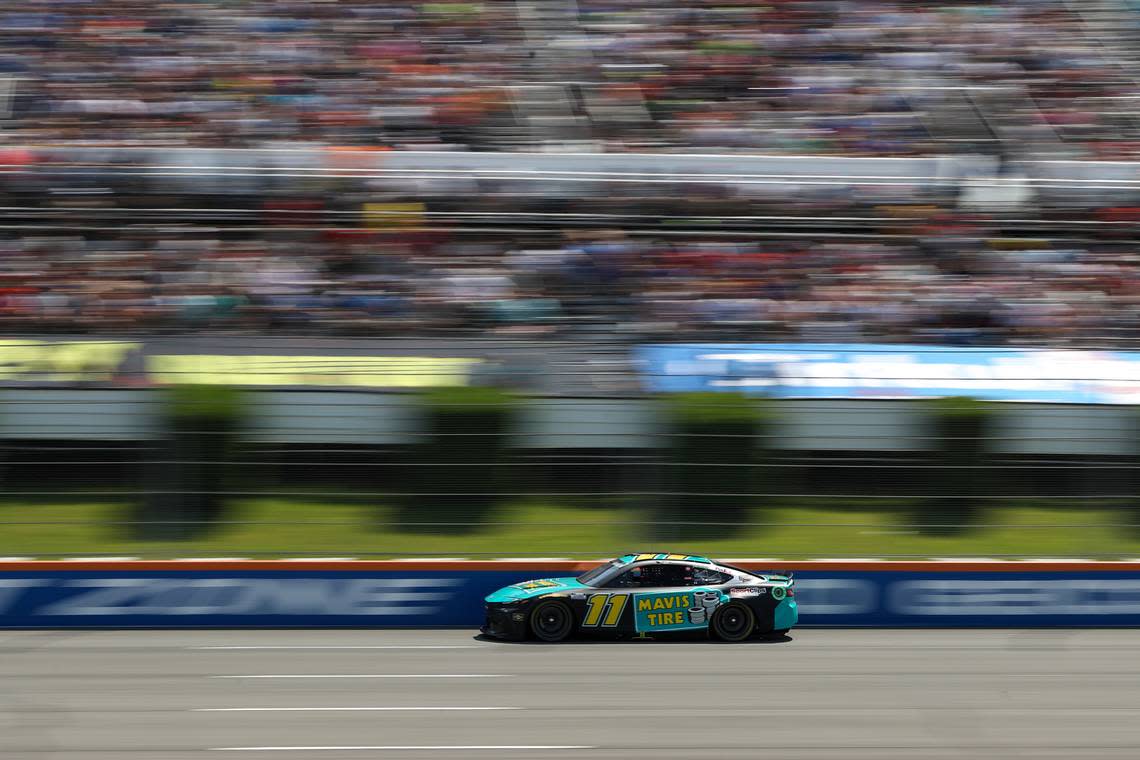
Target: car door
{"points": [[654, 597], [607, 609], [687, 603]]}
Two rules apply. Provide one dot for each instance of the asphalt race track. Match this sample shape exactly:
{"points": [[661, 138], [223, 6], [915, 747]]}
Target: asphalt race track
{"points": [[328, 694]]}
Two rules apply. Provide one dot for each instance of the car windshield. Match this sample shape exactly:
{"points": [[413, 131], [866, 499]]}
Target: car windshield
{"points": [[589, 576]]}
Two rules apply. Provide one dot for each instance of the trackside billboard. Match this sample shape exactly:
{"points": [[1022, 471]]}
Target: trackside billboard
{"points": [[827, 370], [424, 594]]}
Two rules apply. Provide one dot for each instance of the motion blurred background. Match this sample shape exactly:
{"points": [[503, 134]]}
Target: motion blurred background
{"points": [[513, 279]]}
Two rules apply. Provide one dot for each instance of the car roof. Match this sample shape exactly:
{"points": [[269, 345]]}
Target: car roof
{"points": [[626, 559]]}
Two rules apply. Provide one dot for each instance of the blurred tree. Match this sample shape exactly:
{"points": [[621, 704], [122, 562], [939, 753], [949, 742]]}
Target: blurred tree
{"points": [[711, 463], [192, 464], [958, 479], [459, 469]]}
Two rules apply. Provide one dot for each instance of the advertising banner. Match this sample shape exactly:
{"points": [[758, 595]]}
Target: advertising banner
{"points": [[816, 370], [413, 595], [318, 362], [367, 364]]}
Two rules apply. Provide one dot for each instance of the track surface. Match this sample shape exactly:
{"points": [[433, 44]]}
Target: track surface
{"points": [[824, 694]]}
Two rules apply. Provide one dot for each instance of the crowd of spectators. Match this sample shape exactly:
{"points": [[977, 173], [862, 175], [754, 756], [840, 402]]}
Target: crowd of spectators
{"points": [[997, 80], [843, 77], [949, 286]]}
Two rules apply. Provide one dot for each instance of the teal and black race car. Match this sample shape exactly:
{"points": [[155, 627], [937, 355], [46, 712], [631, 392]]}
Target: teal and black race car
{"points": [[646, 595]]}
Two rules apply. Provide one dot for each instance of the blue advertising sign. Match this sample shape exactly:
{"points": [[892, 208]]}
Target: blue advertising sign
{"points": [[824, 370], [968, 599], [190, 599], [424, 598]]}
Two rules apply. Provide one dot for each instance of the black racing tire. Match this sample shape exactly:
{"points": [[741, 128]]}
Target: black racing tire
{"points": [[551, 621], [733, 622]]}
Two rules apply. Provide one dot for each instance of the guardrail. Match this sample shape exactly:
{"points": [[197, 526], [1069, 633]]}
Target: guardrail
{"points": [[363, 594]]}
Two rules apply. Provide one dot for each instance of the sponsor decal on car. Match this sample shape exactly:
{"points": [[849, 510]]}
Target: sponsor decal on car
{"points": [[532, 585], [672, 611], [741, 593], [604, 610]]}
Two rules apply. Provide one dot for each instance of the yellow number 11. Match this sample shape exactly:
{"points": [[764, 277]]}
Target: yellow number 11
{"points": [[598, 602]]}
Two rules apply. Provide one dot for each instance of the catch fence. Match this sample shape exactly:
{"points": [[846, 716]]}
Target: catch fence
{"points": [[376, 474]]}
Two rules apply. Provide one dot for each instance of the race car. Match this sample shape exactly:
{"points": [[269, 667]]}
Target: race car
{"points": [[646, 596]]}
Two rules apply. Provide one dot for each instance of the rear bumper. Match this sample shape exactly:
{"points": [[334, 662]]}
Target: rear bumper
{"points": [[503, 624], [786, 615]]}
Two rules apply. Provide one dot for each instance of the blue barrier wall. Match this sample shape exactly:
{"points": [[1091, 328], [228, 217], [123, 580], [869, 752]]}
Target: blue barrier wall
{"points": [[393, 597]]}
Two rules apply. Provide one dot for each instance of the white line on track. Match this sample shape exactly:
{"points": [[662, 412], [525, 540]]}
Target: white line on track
{"points": [[406, 747], [333, 646], [376, 675], [342, 709]]}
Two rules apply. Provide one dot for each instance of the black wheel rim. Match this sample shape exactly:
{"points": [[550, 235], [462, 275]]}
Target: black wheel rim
{"points": [[732, 622], [551, 620]]}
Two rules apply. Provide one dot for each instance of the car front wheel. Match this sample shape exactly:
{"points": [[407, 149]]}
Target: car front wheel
{"points": [[733, 622], [551, 621]]}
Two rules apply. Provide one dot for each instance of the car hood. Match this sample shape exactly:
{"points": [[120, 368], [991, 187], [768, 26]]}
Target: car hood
{"points": [[530, 589]]}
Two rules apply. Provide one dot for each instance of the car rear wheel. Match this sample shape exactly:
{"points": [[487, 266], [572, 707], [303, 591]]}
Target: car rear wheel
{"points": [[551, 621], [733, 622]]}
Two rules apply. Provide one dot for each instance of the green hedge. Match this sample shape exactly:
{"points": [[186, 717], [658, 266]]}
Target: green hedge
{"points": [[712, 452], [191, 465], [459, 469], [957, 478]]}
